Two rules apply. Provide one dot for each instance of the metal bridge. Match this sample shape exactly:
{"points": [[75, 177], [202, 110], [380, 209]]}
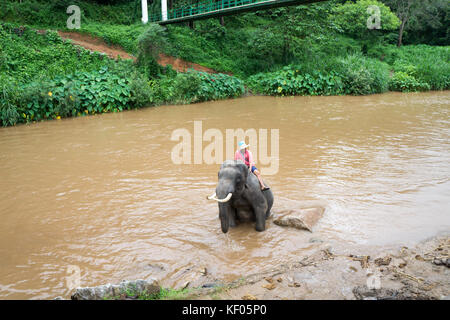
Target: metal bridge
{"points": [[213, 8]]}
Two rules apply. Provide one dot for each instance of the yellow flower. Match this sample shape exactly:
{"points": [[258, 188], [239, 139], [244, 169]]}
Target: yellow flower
{"points": [[71, 98], [50, 94], [284, 82], [280, 89], [85, 111], [58, 117]]}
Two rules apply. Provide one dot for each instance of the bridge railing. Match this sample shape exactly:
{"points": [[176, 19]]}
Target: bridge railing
{"points": [[202, 8]]}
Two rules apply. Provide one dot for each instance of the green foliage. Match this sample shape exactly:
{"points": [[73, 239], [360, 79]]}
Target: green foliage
{"points": [[193, 86], [52, 13], [353, 74], [402, 81], [292, 81], [428, 65], [8, 110], [78, 94], [126, 36], [150, 44], [363, 75], [141, 91], [26, 55], [323, 48], [352, 17]]}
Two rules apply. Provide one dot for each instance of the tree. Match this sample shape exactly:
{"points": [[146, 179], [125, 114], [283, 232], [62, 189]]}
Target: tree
{"points": [[404, 10], [352, 18], [426, 17], [150, 44]]}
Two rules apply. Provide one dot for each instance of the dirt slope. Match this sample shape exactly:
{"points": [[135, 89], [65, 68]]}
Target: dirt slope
{"points": [[96, 44]]}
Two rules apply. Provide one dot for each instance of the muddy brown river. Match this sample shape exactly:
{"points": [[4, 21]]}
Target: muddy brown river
{"points": [[102, 194]]}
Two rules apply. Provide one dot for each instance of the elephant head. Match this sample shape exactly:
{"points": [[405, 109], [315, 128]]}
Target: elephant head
{"points": [[232, 179]]}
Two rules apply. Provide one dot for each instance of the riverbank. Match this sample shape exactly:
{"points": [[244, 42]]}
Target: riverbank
{"points": [[421, 272], [58, 80], [404, 273]]}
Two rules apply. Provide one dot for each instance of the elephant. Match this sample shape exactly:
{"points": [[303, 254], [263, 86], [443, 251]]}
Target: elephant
{"points": [[240, 197]]}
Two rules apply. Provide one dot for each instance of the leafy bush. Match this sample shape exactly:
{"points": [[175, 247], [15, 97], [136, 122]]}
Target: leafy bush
{"points": [[8, 110], [427, 64], [52, 13], [78, 94], [219, 86], [291, 81], [402, 81], [196, 86], [363, 75]]}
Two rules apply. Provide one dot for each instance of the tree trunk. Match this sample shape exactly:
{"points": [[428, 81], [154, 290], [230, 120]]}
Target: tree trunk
{"points": [[222, 21], [400, 33]]}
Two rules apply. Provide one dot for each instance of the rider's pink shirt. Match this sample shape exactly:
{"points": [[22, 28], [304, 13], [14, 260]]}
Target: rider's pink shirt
{"points": [[238, 156]]}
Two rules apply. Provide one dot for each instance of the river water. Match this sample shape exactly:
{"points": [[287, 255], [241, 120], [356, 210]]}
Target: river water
{"points": [[102, 196]]}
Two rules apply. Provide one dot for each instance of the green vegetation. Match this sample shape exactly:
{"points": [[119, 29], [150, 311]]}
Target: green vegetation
{"points": [[43, 77], [353, 74], [316, 49]]}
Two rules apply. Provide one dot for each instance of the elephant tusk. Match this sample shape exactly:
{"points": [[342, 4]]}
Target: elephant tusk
{"points": [[211, 197], [214, 197]]}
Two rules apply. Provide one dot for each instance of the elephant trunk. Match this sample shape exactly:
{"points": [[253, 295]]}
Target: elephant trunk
{"points": [[223, 216], [225, 190]]}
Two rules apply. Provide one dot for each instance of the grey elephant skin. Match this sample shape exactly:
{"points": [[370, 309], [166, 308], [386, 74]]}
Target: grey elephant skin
{"points": [[247, 202]]}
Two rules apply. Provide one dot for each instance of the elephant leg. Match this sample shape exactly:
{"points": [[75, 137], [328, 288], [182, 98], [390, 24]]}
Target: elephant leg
{"points": [[260, 214], [232, 217]]}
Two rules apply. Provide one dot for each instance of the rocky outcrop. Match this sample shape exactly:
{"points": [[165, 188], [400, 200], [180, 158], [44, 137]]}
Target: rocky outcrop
{"points": [[299, 218], [124, 290]]}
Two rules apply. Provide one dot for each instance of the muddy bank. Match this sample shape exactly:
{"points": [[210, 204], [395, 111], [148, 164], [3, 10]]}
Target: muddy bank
{"points": [[421, 272]]}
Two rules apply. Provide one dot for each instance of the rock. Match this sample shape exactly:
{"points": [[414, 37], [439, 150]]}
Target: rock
{"points": [[279, 279], [203, 271], [442, 262], [125, 289], [438, 262], [269, 286], [300, 218], [294, 284], [269, 279], [383, 261], [364, 293], [248, 297], [212, 285]]}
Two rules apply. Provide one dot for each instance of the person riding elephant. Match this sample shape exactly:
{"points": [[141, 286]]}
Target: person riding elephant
{"points": [[240, 197], [247, 157]]}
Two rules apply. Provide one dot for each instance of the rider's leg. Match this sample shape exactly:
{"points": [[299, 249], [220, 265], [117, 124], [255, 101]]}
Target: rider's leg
{"points": [[258, 175]]}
